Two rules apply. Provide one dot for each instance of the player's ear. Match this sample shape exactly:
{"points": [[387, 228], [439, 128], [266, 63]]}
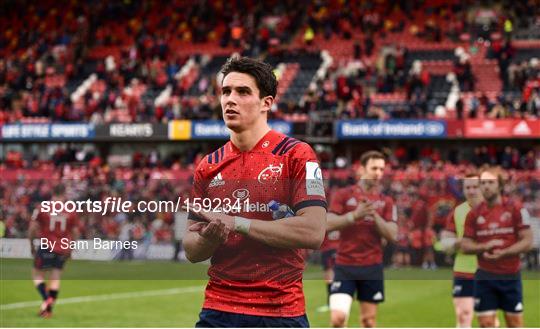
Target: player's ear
{"points": [[267, 103]]}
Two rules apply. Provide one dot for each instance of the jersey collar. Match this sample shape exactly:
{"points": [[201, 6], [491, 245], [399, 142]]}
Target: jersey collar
{"points": [[264, 145]]}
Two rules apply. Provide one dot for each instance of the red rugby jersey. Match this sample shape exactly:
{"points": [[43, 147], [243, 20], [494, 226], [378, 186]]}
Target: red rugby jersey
{"points": [[503, 222], [247, 276], [56, 228], [331, 241], [360, 243]]}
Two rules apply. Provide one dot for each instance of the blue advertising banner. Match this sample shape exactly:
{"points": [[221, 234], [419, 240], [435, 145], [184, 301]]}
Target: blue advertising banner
{"points": [[216, 129], [365, 129], [46, 131]]}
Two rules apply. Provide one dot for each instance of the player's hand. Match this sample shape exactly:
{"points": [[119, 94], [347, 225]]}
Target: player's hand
{"points": [[214, 232], [33, 251], [488, 246], [495, 254], [457, 244], [365, 208]]}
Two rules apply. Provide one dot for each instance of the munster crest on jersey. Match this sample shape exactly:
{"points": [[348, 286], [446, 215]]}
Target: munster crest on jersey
{"points": [[270, 174]]}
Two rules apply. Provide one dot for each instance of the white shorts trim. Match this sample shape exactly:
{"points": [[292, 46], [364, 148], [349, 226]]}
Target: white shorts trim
{"points": [[485, 313], [341, 302]]}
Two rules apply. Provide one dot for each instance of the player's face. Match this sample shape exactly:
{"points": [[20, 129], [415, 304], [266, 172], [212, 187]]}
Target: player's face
{"points": [[489, 185], [471, 188], [242, 108], [373, 170]]}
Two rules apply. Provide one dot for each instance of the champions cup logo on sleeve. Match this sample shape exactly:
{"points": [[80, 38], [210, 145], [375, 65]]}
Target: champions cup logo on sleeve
{"points": [[270, 174], [314, 182]]}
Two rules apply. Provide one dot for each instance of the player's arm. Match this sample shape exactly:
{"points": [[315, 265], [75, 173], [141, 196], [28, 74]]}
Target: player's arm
{"points": [[337, 222], [524, 244], [305, 230], [33, 230], [386, 229], [470, 246]]}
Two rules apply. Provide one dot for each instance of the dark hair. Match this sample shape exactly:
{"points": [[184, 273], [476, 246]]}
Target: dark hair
{"points": [[371, 155], [260, 71]]}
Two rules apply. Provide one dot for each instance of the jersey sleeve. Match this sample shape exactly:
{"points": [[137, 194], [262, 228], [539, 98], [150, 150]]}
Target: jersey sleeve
{"points": [[197, 190], [307, 187], [390, 211], [469, 230], [450, 224], [521, 217]]}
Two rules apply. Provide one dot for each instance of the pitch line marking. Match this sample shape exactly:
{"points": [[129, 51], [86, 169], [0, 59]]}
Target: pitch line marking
{"points": [[106, 297]]}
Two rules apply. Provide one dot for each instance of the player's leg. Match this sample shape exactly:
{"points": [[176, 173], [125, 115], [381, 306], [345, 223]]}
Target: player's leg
{"points": [[54, 280], [341, 297], [368, 314], [464, 307], [41, 264], [514, 320], [511, 301], [38, 277], [487, 319], [370, 294], [54, 284], [486, 302], [463, 293]]}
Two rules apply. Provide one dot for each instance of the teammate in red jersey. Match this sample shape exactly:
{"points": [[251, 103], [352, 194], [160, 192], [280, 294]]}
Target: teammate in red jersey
{"points": [[364, 216], [53, 234], [497, 231], [256, 259]]}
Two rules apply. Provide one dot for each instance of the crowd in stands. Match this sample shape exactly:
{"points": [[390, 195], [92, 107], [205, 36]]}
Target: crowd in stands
{"points": [[424, 183], [51, 67]]}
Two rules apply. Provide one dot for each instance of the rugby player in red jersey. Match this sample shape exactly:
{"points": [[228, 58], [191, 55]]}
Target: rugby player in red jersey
{"points": [[497, 231], [256, 260], [364, 216], [57, 231]]}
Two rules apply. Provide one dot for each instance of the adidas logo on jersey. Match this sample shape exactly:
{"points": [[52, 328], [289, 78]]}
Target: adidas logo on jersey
{"points": [[352, 202], [481, 220], [378, 296], [217, 181]]}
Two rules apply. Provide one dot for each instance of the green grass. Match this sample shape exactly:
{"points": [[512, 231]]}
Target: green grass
{"points": [[414, 298]]}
